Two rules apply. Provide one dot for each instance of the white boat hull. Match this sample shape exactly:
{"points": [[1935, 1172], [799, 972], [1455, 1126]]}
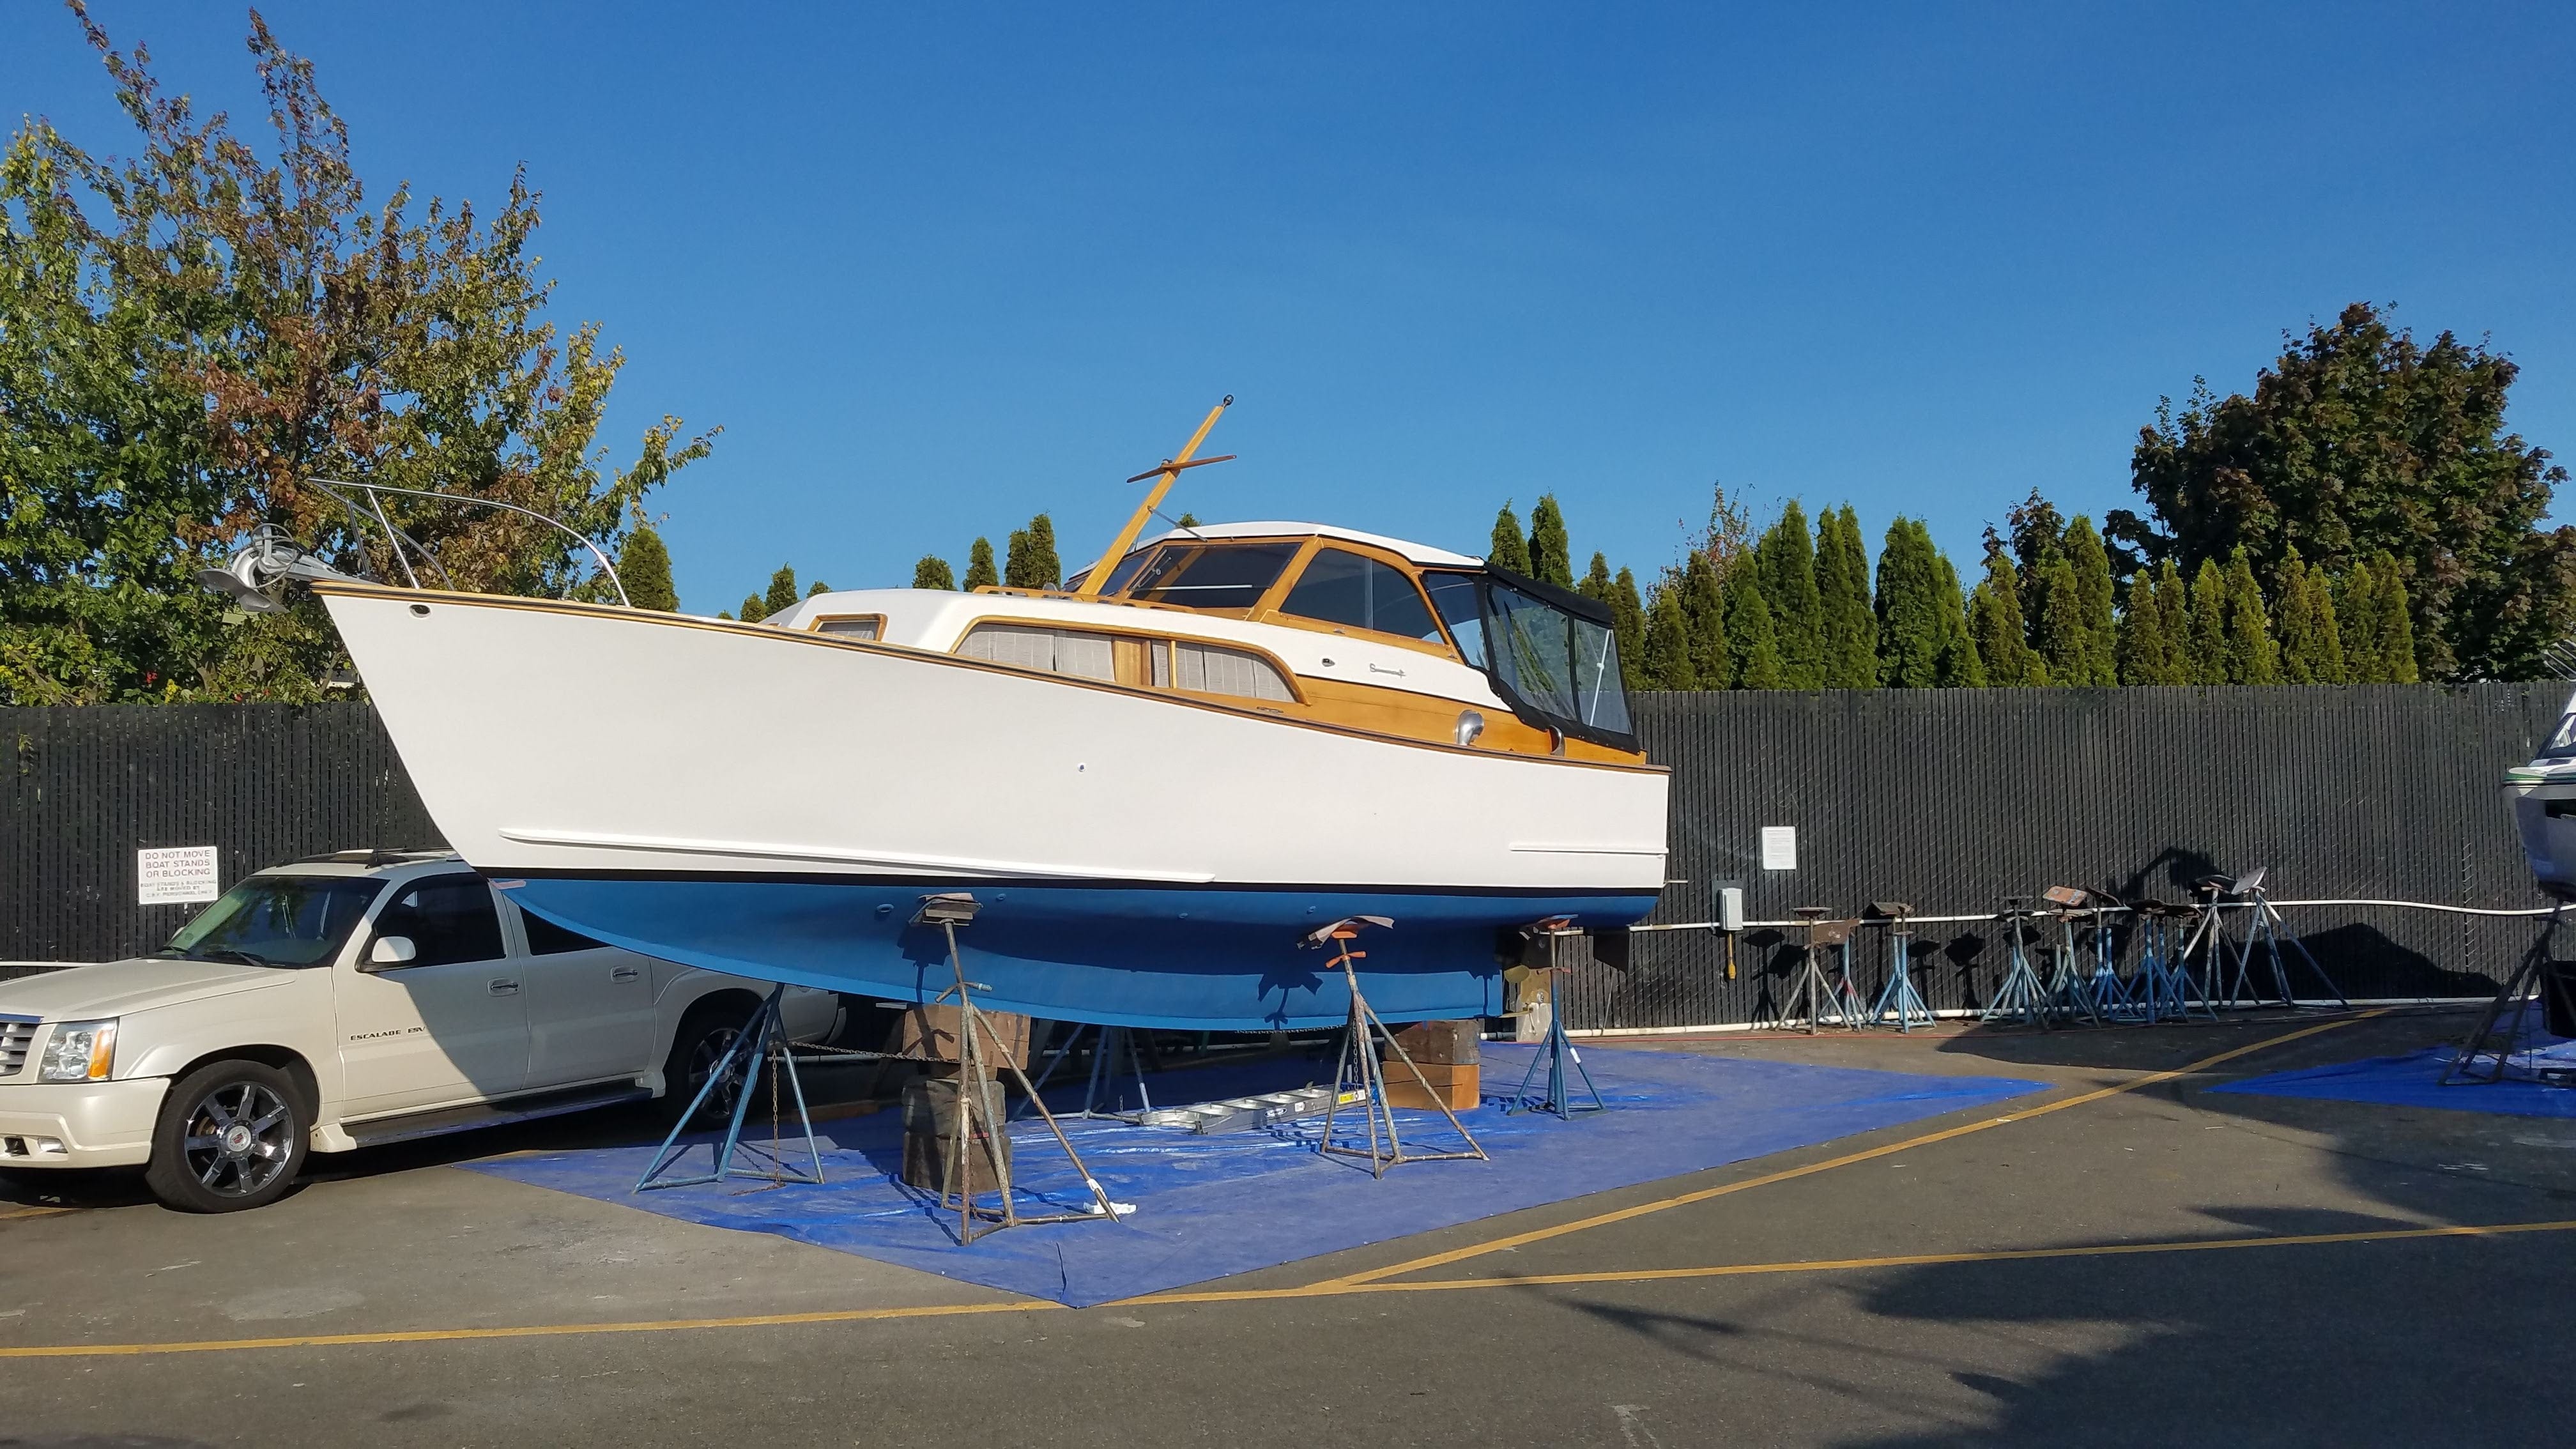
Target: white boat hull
{"points": [[774, 804]]}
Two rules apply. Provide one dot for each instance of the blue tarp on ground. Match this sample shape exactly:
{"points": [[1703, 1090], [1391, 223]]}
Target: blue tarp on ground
{"points": [[1213, 1206], [2415, 1080]]}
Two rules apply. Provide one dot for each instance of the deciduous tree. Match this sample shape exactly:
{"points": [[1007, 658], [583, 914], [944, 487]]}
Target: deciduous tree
{"points": [[2359, 440]]}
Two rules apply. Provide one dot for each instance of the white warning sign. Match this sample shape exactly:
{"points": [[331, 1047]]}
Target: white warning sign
{"points": [[1779, 847], [179, 875]]}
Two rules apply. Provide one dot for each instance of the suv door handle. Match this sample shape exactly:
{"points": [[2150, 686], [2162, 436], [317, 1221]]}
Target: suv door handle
{"points": [[503, 986], [624, 973]]}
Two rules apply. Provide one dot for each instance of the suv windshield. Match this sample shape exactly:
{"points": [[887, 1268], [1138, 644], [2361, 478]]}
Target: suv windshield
{"points": [[277, 920]]}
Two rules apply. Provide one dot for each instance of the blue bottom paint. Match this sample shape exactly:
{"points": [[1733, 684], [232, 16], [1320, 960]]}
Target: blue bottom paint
{"points": [[1221, 960], [1210, 1207]]}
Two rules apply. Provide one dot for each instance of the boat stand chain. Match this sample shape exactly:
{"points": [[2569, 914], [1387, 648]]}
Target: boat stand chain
{"points": [[762, 1039], [1359, 1065], [2520, 1009], [975, 1083]]}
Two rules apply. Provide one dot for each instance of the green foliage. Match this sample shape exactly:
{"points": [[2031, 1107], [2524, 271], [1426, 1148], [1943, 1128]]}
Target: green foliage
{"points": [[1509, 549], [2378, 630], [1031, 562], [817, 587], [1958, 665], [1667, 651], [1704, 615], [2206, 657], [188, 334], [1628, 620], [644, 566], [2093, 594], [1596, 584], [1848, 643], [1996, 626], [2144, 655], [782, 594], [2252, 656], [1550, 559], [932, 573], [1786, 557], [2058, 632], [979, 566], [2359, 441], [1188, 519], [753, 609], [2311, 641], [1753, 642], [1907, 606]]}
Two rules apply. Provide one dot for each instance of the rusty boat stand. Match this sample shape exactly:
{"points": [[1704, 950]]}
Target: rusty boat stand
{"points": [[1362, 1068]]}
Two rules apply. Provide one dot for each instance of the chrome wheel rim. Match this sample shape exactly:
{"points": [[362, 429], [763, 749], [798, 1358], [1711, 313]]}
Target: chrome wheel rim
{"points": [[702, 1065], [240, 1139]]}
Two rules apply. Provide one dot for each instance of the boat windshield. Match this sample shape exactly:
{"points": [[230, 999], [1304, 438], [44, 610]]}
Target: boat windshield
{"points": [[1460, 600], [277, 920], [1556, 660], [1211, 575]]}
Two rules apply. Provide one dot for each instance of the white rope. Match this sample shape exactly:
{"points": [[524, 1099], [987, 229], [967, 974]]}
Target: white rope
{"points": [[2080, 911]]}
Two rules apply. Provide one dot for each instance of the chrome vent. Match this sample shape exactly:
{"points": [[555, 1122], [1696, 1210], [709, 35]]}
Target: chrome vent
{"points": [[16, 1035]]}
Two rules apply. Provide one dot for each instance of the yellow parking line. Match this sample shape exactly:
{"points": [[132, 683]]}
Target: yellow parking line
{"points": [[35, 1212], [1316, 1290], [548, 1330], [1845, 1265], [1535, 1235]]}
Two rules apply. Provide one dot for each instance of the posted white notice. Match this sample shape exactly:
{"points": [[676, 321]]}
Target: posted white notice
{"points": [[180, 875], [1779, 847]]}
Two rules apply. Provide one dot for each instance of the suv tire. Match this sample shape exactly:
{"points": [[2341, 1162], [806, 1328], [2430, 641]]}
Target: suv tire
{"points": [[231, 1135], [705, 1032]]}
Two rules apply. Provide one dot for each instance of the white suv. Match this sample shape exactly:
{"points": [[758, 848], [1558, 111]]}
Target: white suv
{"points": [[341, 1002]]}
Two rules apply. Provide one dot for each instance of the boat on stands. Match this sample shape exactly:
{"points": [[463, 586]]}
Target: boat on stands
{"points": [[1156, 781]]}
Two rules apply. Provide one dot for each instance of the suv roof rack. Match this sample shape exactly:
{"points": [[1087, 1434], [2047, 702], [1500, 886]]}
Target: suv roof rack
{"points": [[375, 858]]}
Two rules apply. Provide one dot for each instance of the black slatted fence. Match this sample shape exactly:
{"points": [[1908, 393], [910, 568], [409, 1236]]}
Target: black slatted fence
{"points": [[1953, 800], [1949, 799]]}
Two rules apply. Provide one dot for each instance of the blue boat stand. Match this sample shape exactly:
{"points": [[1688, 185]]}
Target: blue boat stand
{"points": [[761, 1037], [1556, 1052]]}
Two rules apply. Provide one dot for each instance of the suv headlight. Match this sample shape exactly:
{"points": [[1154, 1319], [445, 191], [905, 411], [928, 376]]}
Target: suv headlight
{"points": [[80, 1051]]}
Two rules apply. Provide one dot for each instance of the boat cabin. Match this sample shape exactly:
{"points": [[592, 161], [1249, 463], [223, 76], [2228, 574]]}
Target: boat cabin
{"points": [[1301, 620]]}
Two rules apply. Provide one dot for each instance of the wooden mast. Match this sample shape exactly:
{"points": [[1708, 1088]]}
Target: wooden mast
{"points": [[1163, 476]]}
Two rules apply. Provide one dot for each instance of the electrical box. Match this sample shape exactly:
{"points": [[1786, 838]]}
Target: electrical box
{"points": [[1730, 908]]}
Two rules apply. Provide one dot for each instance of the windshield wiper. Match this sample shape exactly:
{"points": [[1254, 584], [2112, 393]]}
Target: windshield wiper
{"points": [[220, 953]]}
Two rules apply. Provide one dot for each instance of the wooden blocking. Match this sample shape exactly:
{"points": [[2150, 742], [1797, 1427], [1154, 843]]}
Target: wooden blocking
{"points": [[1457, 1085], [931, 1032], [930, 1137], [1440, 1041]]}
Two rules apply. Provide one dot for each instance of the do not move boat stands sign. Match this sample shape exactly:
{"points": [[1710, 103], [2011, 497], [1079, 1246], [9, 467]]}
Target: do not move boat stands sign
{"points": [[177, 876]]}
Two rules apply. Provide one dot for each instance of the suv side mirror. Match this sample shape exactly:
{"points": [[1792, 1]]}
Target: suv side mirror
{"points": [[392, 951]]}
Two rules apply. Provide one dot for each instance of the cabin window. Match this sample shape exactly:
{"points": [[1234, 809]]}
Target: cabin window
{"points": [[1346, 588], [851, 626], [1212, 669], [1457, 597], [1559, 663], [1057, 651], [1212, 575]]}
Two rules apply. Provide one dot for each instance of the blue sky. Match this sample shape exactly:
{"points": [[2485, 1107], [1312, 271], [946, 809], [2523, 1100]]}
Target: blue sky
{"points": [[937, 268]]}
